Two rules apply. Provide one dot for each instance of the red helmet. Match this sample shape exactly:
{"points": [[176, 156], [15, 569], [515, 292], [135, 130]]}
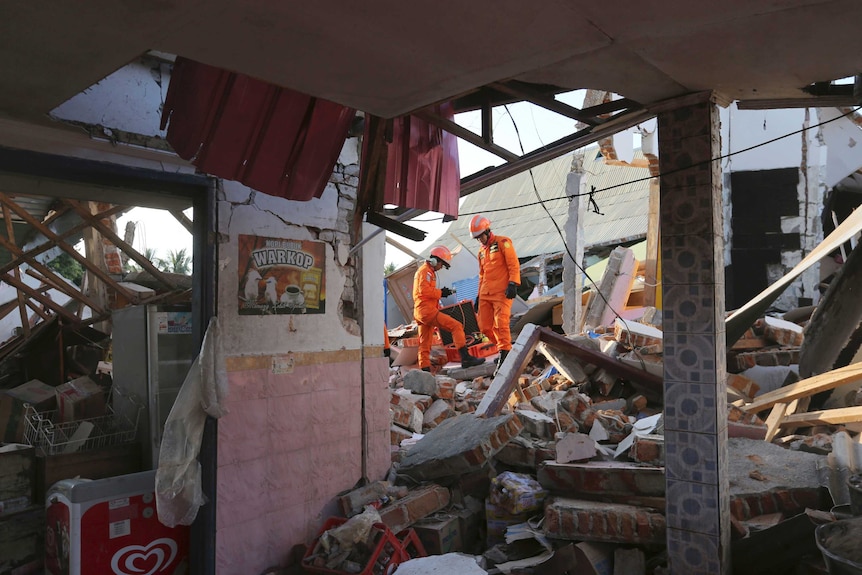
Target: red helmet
{"points": [[479, 225], [443, 254]]}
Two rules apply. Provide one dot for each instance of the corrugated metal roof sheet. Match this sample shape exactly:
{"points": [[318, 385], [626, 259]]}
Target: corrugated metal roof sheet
{"points": [[514, 210]]}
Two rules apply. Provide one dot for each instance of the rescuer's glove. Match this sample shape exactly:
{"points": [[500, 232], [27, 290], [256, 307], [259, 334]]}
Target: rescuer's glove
{"points": [[511, 290]]}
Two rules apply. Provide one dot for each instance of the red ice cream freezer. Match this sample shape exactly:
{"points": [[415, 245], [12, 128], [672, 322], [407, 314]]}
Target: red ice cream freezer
{"points": [[110, 527]]}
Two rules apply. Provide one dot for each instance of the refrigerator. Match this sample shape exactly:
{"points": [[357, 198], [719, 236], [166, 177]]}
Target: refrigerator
{"points": [[153, 349], [111, 526]]}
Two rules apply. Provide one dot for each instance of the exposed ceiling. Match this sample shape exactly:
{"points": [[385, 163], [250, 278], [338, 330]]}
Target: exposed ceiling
{"points": [[389, 58]]}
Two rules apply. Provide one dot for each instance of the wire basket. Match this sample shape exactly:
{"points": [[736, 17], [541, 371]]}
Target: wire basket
{"points": [[50, 436]]}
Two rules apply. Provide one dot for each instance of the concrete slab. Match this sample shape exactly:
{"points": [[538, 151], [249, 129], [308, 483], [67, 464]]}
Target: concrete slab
{"points": [[458, 445]]}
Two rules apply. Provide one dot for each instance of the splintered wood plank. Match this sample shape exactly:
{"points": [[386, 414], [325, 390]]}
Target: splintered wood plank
{"points": [[809, 386], [838, 416], [773, 422]]}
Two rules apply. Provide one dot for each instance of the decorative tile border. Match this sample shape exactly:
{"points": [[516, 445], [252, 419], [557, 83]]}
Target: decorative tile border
{"points": [[691, 308], [692, 506], [691, 456], [694, 358], [695, 553]]}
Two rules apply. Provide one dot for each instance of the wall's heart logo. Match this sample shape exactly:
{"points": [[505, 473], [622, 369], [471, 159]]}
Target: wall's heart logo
{"points": [[140, 560]]}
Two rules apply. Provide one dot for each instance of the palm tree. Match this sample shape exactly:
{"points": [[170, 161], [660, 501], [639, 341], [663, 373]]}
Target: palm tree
{"points": [[178, 262], [150, 254]]}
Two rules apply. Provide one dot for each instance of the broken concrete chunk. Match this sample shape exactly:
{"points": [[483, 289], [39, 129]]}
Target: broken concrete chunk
{"points": [[574, 447], [458, 445], [445, 387], [547, 402], [421, 382], [636, 335], [782, 332], [570, 367], [648, 449], [418, 503], [439, 411], [437, 564], [536, 423], [745, 385], [354, 502], [397, 434], [602, 479], [405, 413], [421, 401], [580, 520]]}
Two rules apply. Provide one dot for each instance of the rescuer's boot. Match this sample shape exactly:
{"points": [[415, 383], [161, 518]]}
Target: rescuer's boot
{"points": [[502, 358], [468, 360]]}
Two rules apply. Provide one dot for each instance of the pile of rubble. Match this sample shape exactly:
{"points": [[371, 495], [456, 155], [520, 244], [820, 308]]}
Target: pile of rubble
{"points": [[554, 462]]}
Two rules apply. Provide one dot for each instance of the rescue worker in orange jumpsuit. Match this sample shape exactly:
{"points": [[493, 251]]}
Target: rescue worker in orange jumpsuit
{"points": [[426, 306], [499, 278]]}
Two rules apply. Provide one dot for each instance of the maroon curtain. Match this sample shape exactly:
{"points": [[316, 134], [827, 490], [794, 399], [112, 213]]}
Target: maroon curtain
{"points": [[421, 165], [272, 139]]}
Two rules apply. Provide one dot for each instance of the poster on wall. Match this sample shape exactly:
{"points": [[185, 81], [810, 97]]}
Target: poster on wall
{"points": [[280, 276]]}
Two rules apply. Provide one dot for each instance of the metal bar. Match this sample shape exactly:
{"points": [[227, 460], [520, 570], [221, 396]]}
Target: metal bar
{"points": [[520, 90], [476, 182], [467, 135], [409, 214]]}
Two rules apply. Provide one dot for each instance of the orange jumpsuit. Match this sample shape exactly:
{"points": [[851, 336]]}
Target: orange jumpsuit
{"points": [[498, 265], [426, 306]]}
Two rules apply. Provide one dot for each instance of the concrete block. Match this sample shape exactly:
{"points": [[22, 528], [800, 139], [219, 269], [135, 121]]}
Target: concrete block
{"points": [[782, 332], [580, 520], [445, 387], [419, 503], [421, 382], [458, 445], [602, 479], [648, 449], [536, 423], [574, 447], [439, 411]]}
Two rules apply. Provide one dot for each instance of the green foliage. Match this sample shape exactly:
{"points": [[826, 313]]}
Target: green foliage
{"points": [[389, 268], [178, 262], [66, 266]]}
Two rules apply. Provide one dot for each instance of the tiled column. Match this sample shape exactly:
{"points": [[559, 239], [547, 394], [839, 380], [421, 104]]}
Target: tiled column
{"points": [[692, 279]]}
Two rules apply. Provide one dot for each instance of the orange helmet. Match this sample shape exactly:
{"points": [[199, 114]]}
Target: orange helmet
{"points": [[479, 225], [443, 255]]}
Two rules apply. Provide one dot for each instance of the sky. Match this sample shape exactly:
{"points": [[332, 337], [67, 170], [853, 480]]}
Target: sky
{"points": [[157, 229], [536, 127]]}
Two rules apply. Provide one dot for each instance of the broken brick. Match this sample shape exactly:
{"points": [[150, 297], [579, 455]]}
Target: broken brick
{"points": [[580, 520]]}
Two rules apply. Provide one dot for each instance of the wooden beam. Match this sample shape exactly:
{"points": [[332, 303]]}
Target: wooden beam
{"points": [[52, 242], [838, 416], [182, 219], [22, 308], [44, 300], [57, 283], [773, 422], [805, 387], [95, 270], [117, 241]]}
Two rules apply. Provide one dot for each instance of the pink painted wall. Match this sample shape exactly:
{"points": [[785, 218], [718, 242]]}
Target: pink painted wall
{"points": [[288, 446]]}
